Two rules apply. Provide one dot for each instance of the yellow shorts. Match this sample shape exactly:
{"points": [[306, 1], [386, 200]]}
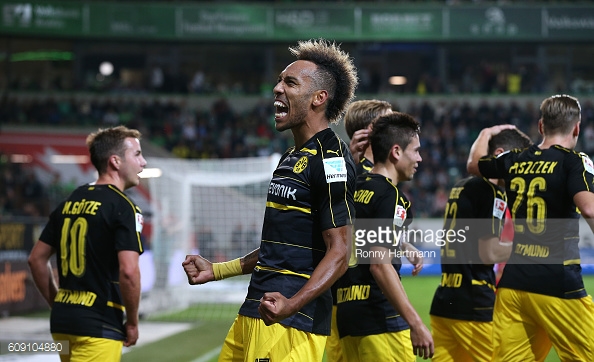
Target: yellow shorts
{"points": [[525, 325], [389, 346], [249, 340], [89, 349], [333, 348], [461, 341]]}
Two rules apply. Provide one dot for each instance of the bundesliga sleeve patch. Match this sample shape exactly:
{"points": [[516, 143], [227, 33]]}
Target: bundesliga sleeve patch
{"points": [[335, 169], [139, 222], [499, 208], [399, 216], [588, 165]]}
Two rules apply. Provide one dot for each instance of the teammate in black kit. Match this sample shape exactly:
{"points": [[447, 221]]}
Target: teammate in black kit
{"points": [[462, 308], [370, 295], [357, 119], [307, 223], [541, 300], [96, 235]]}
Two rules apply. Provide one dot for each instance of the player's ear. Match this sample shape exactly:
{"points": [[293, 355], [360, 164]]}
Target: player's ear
{"points": [[498, 151], [319, 97], [396, 151], [576, 129], [115, 161], [540, 128]]}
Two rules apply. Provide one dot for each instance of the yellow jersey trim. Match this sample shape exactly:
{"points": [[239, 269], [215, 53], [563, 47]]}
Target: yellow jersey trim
{"points": [[278, 206], [281, 271]]}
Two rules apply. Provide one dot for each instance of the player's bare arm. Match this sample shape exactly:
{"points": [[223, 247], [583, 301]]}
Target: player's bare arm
{"points": [[200, 270], [275, 307], [584, 201], [389, 282], [493, 251], [480, 147], [41, 270], [130, 288]]}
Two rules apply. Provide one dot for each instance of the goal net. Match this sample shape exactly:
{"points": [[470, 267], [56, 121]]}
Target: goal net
{"points": [[209, 207]]}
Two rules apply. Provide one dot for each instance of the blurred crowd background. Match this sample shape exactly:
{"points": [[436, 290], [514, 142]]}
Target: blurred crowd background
{"points": [[448, 129], [213, 99]]}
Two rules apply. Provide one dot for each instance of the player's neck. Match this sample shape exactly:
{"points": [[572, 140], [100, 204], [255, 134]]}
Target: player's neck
{"points": [[567, 141], [108, 179], [307, 130], [384, 170]]}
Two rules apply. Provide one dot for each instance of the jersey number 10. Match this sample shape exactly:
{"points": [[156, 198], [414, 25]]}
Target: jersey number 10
{"points": [[72, 246]]}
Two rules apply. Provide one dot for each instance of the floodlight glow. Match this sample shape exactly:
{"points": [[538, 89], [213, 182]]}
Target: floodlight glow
{"points": [[106, 69], [16, 158], [150, 172], [76, 159], [397, 80]]}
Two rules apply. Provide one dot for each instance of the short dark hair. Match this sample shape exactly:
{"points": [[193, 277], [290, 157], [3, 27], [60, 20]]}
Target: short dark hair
{"points": [[360, 114], [394, 128], [509, 139], [107, 142], [559, 113], [336, 73]]}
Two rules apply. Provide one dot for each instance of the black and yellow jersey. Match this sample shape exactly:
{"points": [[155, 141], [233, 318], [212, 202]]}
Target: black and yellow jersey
{"points": [[541, 184], [362, 308], [363, 166], [475, 209], [311, 191], [87, 230]]}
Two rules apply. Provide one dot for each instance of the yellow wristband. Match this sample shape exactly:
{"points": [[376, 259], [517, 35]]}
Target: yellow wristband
{"points": [[227, 269]]}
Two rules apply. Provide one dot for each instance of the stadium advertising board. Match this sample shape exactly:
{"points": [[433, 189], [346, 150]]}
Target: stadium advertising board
{"points": [[343, 22], [291, 23], [568, 23], [216, 22], [47, 18], [18, 291], [495, 22], [131, 20], [389, 23]]}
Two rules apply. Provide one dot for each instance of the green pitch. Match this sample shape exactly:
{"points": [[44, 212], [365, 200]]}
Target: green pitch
{"points": [[201, 343]]}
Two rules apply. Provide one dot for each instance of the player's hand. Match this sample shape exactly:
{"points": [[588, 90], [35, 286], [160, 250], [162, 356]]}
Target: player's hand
{"points": [[198, 270], [414, 256], [359, 144], [131, 334], [492, 131], [274, 307], [422, 342]]}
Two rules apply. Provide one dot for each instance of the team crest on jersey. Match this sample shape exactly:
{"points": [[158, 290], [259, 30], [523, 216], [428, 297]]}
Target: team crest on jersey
{"points": [[499, 207], [335, 169], [588, 165], [139, 222], [300, 165], [399, 216]]}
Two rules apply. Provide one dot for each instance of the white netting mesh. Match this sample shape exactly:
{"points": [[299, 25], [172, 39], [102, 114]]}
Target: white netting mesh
{"points": [[214, 207]]}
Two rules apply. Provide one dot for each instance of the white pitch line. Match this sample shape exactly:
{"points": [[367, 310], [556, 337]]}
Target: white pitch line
{"points": [[208, 355]]}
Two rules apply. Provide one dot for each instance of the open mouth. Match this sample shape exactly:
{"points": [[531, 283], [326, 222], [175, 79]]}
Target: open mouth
{"points": [[281, 109]]}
